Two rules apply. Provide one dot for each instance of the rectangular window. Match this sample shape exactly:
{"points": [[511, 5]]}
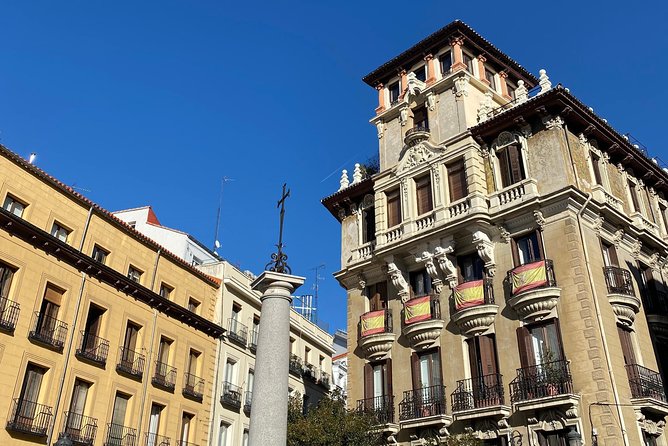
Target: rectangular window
{"points": [[527, 248], [186, 422], [193, 305], [491, 78], [511, 165], [445, 61], [468, 61], [378, 381], [6, 276], [634, 196], [59, 232], [421, 73], [154, 424], [426, 369], [14, 206], [99, 254], [625, 337], [539, 343], [134, 274], [457, 180], [420, 117], [377, 294], [165, 290], [393, 208], [650, 206], [29, 397], [553, 438], [131, 336], [482, 356], [74, 423], [368, 225], [420, 283], [511, 89], [470, 268], [595, 165], [395, 90], [223, 434], [118, 415], [193, 361], [230, 371], [91, 343], [163, 350], [609, 254], [307, 355], [423, 194], [244, 442], [48, 327]]}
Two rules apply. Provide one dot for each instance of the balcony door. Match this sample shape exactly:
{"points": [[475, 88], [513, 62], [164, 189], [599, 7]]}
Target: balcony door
{"points": [[27, 405], [609, 254], [420, 283], [130, 343], [92, 328], [77, 406], [154, 425], [48, 312], [540, 343], [378, 384], [117, 425], [470, 267], [377, 294], [426, 368]]}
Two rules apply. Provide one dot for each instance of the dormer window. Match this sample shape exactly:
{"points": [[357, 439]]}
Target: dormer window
{"points": [[445, 61], [394, 91], [421, 73]]}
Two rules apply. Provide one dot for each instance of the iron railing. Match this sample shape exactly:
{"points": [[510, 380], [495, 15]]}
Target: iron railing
{"points": [[9, 314], [248, 401], [550, 280], [381, 407], [309, 372], [539, 381], [424, 402], [156, 440], [118, 435], [645, 383], [29, 417], [164, 376], [131, 363], [656, 303], [79, 428], [618, 280], [93, 348], [231, 396], [487, 295], [475, 393], [48, 331], [434, 309], [237, 332], [387, 323], [417, 129], [295, 366], [324, 379], [193, 386], [253, 340]]}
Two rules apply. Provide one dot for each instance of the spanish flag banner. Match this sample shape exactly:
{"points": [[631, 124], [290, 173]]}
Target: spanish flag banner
{"points": [[373, 322], [469, 294], [529, 276], [417, 310]]}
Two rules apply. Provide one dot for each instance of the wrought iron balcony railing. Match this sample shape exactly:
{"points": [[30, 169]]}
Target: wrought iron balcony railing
{"points": [[156, 440], [164, 376], [253, 340], [381, 407], [48, 331], [324, 379], [645, 383], [540, 381], [296, 365], [131, 363], [93, 348], [193, 386], [248, 401], [118, 435], [29, 417], [471, 294], [423, 308], [475, 393], [79, 428], [618, 280], [9, 314], [375, 322], [422, 403], [531, 276], [417, 133], [237, 332], [231, 396], [656, 303], [309, 372]]}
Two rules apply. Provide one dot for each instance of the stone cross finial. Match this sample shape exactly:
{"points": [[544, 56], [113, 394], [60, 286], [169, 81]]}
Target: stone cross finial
{"points": [[521, 92], [357, 174], [344, 180], [544, 82]]}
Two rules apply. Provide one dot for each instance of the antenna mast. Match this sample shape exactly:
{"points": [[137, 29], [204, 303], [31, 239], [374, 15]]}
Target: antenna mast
{"points": [[216, 242]]}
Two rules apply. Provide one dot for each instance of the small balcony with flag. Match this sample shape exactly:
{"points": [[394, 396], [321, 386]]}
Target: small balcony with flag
{"points": [[472, 306], [421, 321], [533, 290], [375, 334]]}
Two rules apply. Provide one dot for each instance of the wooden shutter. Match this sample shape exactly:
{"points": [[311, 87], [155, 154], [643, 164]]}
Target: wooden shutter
{"points": [[516, 256], [515, 164], [6, 275], [457, 180], [388, 377], [437, 369], [415, 370], [487, 354], [53, 294], [368, 381], [423, 195], [525, 348], [627, 345], [504, 167], [610, 254], [393, 208], [473, 357]]}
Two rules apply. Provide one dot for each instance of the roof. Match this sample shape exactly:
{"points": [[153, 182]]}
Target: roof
{"points": [[435, 41], [352, 192], [150, 218]]}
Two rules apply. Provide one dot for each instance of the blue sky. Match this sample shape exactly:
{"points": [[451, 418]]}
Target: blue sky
{"points": [[139, 103]]}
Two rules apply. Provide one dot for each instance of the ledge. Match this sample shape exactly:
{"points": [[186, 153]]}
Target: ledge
{"points": [[376, 346], [423, 334], [651, 405], [535, 304], [442, 420], [625, 307], [565, 399], [475, 320], [501, 411]]}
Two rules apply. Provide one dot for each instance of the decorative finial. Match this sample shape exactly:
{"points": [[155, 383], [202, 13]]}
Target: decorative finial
{"points": [[544, 82], [521, 92], [344, 180], [357, 174]]}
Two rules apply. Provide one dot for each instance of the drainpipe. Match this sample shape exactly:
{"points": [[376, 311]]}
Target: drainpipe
{"points": [[150, 349], [219, 355], [597, 307], [85, 231], [68, 354]]}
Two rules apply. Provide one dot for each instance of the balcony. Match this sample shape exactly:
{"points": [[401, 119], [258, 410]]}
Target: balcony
{"points": [[164, 376], [193, 387], [513, 195], [604, 197], [253, 340], [118, 435], [48, 331], [656, 310], [382, 410], [9, 314], [545, 385], [156, 440], [479, 397], [416, 134], [422, 323], [295, 366], [79, 428], [425, 406], [375, 334], [248, 401], [93, 349], [237, 332], [324, 380], [473, 308], [625, 304], [647, 390], [533, 290], [231, 397], [29, 418], [309, 372], [131, 363]]}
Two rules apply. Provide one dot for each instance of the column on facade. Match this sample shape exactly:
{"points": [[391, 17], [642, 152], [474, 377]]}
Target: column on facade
{"points": [[481, 69], [504, 85], [457, 54], [431, 69], [381, 98]]}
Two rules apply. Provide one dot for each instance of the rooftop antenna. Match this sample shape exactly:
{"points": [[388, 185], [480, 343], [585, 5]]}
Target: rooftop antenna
{"points": [[316, 286], [216, 242]]}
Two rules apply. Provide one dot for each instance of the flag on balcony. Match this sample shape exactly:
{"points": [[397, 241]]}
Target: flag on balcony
{"points": [[373, 322], [529, 276], [469, 294], [417, 310]]}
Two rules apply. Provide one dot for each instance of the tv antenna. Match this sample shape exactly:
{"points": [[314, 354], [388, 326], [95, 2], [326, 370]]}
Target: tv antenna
{"points": [[216, 242]]}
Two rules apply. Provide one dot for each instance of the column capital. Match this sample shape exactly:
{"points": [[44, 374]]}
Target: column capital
{"points": [[456, 41], [428, 57], [482, 58], [380, 86], [503, 74]]}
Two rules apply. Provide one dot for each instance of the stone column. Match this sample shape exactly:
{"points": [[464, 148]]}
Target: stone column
{"points": [[457, 57], [431, 69], [381, 98], [504, 85], [269, 417], [481, 69]]}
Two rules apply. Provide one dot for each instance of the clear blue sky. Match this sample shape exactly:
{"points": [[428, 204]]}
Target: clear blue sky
{"points": [[149, 102]]}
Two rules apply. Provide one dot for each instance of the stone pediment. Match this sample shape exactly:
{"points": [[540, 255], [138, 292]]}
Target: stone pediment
{"points": [[418, 154]]}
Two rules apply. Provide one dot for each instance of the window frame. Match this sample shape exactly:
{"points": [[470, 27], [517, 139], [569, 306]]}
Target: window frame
{"points": [[448, 54], [134, 274], [57, 227], [10, 205], [99, 251], [539, 246], [393, 196], [421, 183]]}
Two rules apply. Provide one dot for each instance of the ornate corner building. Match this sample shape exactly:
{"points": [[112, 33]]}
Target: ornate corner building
{"points": [[505, 267]]}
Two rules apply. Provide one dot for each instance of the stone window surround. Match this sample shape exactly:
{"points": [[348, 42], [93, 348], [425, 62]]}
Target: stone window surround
{"points": [[494, 160]]}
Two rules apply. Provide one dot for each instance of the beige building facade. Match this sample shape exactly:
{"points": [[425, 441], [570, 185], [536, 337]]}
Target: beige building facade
{"points": [[505, 268]]}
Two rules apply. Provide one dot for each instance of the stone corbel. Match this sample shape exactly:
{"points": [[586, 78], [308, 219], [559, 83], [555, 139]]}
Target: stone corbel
{"points": [[414, 87], [618, 237], [403, 115], [379, 128], [485, 249], [540, 220], [398, 281], [655, 261], [598, 223], [636, 247], [361, 281], [461, 86], [445, 264], [553, 122], [428, 259], [504, 233], [431, 101]]}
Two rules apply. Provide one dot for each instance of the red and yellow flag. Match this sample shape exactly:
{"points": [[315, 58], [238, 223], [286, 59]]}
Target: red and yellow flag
{"points": [[469, 294], [529, 276], [417, 310], [373, 322]]}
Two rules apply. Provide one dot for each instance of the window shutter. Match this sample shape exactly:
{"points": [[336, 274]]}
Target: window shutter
{"points": [[504, 167], [487, 355], [524, 343], [473, 357], [368, 381], [457, 180], [423, 195], [53, 295], [438, 370], [627, 345], [388, 377], [415, 369], [515, 161], [6, 275], [516, 257], [393, 209]]}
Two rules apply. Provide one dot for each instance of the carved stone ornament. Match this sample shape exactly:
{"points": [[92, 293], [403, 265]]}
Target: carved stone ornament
{"points": [[431, 101], [483, 151], [379, 128], [403, 115], [540, 220], [486, 107], [636, 247], [445, 264], [414, 87], [504, 233], [461, 86], [367, 201], [485, 249], [553, 122], [398, 281], [344, 182], [361, 281], [418, 154], [428, 260], [598, 223], [618, 237], [544, 81], [505, 139]]}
